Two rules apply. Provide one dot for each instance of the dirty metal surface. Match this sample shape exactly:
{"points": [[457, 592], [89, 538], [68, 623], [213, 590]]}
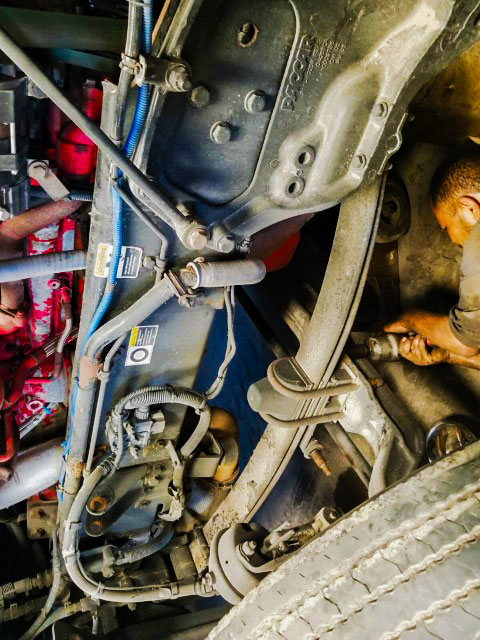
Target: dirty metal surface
{"points": [[337, 88]]}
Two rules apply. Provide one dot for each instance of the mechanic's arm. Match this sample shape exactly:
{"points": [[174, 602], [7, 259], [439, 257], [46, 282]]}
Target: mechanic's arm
{"points": [[434, 327]]}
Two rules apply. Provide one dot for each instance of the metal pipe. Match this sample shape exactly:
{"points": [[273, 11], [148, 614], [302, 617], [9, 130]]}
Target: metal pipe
{"points": [[12, 232], [104, 376], [144, 218], [131, 317], [31, 221], [168, 212], [132, 51], [41, 265], [36, 469]]}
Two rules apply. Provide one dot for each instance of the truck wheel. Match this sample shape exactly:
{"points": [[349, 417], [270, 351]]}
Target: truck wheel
{"points": [[404, 565]]}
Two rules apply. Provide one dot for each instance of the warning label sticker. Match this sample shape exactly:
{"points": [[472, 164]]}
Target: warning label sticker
{"points": [[141, 344], [128, 267]]}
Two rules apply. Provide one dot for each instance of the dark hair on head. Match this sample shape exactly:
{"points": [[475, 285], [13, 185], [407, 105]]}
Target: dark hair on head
{"points": [[455, 177]]}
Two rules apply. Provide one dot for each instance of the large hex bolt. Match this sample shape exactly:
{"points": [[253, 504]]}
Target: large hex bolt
{"points": [[220, 132], [255, 101], [199, 97], [197, 238]]}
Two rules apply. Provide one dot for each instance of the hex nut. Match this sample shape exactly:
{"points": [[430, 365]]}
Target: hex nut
{"points": [[179, 78], [199, 97], [220, 132], [255, 101]]}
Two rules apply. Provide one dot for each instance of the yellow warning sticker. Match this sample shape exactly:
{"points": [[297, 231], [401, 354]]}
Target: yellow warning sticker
{"points": [[134, 336]]}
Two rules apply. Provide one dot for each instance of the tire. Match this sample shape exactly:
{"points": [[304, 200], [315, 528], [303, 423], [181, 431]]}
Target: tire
{"points": [[404, 565]]}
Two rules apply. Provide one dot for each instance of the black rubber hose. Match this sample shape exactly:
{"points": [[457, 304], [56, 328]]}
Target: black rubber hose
{"points": [[133, 553]]}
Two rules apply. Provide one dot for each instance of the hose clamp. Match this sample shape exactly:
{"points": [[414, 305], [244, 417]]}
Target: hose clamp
{"points": [[185, 296], [128, 63]]}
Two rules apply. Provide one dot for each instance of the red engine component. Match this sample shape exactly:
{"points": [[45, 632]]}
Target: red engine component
{"points": [[76, 153]]}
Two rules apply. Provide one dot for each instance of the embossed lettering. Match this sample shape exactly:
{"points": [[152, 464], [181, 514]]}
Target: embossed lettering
{"points": [[298, 73]]}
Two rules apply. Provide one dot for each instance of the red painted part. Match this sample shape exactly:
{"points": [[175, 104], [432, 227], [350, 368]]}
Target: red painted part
{"points": [[76, 154], [32, 360], [9, 439], [282, 256], [56, 119], [92, 102]]}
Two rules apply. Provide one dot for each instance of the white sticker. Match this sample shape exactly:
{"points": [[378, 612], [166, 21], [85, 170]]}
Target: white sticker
{"points": [[128, 266], [141, 344]]}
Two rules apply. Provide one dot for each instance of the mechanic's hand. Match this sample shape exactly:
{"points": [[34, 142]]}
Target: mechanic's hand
{"points": [[397, 326], [415, 350]]}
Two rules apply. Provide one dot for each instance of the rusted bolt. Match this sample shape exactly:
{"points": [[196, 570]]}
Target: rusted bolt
{"points": [[255, 101], [41, 513], [199, 97], [41, 532], [98, 504], [319, 460], [220, 132]]}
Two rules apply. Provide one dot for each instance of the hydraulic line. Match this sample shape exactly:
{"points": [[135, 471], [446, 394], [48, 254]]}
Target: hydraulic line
{"points": [[135, 552], [145, 219], [31, 632], [104, 376]]}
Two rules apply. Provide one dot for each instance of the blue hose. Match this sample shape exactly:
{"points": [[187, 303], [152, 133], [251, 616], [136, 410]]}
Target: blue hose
{"points": [[117, 209], [117, 202]]}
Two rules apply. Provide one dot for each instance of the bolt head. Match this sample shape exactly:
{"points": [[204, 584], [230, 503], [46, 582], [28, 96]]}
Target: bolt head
{"points": [[255, 102], [199, 97], [221, 132], [148, 262], [197, 238], [226, 244]]}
